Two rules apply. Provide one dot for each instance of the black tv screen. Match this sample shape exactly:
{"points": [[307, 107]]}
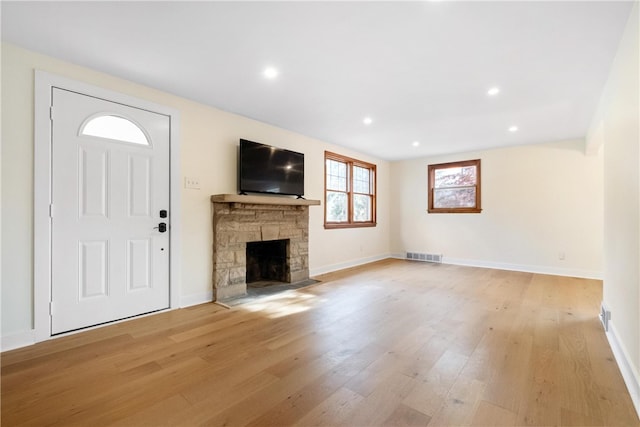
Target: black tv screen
{"points": [[267, 169]]}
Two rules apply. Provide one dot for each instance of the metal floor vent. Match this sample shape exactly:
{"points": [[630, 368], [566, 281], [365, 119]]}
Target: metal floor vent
{"points": [[417, 256]]}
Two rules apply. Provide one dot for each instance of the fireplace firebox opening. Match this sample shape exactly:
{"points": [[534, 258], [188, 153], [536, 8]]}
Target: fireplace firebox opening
{"points": [[267, 263]]}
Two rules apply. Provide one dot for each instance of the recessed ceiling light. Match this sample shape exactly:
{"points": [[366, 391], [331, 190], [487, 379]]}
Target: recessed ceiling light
{"points": [[513, 129], [493, 91], [367, 121], [270, 73], [416, 143]]}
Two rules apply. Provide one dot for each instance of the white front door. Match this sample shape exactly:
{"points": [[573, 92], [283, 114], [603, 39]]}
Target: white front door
{"points": [[110, 211]]}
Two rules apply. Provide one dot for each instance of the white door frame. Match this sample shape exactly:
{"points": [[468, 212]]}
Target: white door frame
{"points": [[44, 84]]}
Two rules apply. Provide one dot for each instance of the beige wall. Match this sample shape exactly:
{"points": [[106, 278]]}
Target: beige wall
{"points": [[616, 125], [537, 200], [209, 139]]}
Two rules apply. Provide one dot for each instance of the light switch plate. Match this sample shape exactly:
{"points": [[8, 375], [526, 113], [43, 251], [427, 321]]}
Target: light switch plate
{"points": [[192, 182]]}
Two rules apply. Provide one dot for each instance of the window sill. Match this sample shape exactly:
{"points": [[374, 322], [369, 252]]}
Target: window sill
{"points": [[329, 226], [464, 210]]}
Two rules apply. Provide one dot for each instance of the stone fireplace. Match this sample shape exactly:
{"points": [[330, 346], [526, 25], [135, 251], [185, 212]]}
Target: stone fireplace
{"points": [[241, 224]]}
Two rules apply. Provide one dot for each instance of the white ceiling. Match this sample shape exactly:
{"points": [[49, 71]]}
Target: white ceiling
{"points": [[420, 70]]}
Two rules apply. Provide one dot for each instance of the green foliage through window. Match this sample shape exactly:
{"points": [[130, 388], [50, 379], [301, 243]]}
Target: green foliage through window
{"points": [[350, 187]]}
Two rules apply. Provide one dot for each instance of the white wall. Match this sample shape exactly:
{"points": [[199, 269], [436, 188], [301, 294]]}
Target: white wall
{"points": [[537, 201], [209, 139], [616, 125]]}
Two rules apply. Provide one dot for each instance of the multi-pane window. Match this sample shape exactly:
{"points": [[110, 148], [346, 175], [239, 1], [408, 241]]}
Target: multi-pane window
{"points": [[337, 196], [455, 187], [350, 187]]}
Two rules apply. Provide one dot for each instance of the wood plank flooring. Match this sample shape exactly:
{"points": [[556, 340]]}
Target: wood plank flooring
{"points": [[393, 343]]}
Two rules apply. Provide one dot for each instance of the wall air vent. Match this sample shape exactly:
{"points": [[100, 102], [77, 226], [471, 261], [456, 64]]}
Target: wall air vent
{"points": [[418, 256]]}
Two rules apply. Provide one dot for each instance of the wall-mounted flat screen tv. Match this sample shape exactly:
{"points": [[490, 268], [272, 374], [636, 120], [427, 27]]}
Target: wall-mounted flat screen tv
{"points": [[266, 169]]}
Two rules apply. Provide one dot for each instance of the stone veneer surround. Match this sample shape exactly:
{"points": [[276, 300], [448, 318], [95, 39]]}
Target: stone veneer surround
{"points": [[238, 219]]}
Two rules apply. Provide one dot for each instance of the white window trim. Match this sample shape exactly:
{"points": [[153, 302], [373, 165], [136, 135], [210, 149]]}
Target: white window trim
{"points": [[44, 84]]}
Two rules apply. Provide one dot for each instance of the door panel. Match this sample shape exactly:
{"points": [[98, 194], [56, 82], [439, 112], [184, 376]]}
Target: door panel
{"points": [[94, 265], [139, 269], [109, 260], [94, 182], [140, 186]]}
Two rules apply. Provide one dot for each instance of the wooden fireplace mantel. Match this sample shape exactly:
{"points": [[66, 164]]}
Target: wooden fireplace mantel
{"points": [[262, 200]]}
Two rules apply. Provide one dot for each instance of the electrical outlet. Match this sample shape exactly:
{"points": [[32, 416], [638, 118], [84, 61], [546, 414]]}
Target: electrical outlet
{"points": [[561, 255], [192, 183], [605, 317]]}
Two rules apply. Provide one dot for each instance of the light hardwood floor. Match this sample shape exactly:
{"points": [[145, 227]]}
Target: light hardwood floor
{"points": [[393, 343]]}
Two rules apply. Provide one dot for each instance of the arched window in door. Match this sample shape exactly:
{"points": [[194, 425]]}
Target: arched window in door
{"points": [[116, 128]]}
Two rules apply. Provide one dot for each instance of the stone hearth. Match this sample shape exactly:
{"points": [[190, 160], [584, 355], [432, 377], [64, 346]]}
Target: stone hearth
{"points": [[239, 219]]}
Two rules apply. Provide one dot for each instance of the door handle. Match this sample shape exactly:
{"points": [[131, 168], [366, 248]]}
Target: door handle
{"points": [[162, 227]]}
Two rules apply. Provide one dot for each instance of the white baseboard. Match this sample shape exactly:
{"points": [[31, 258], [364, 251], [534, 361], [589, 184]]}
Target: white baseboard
{"points": [[348, 264], [195, 299], [525, 268], [205, 297], [23, 339], [629, 373], [17, 340], [27, 338]]}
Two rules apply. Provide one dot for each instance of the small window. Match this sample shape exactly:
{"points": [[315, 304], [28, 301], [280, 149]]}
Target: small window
{"points": [[455, 187], [350, 192], [116, 128]]}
